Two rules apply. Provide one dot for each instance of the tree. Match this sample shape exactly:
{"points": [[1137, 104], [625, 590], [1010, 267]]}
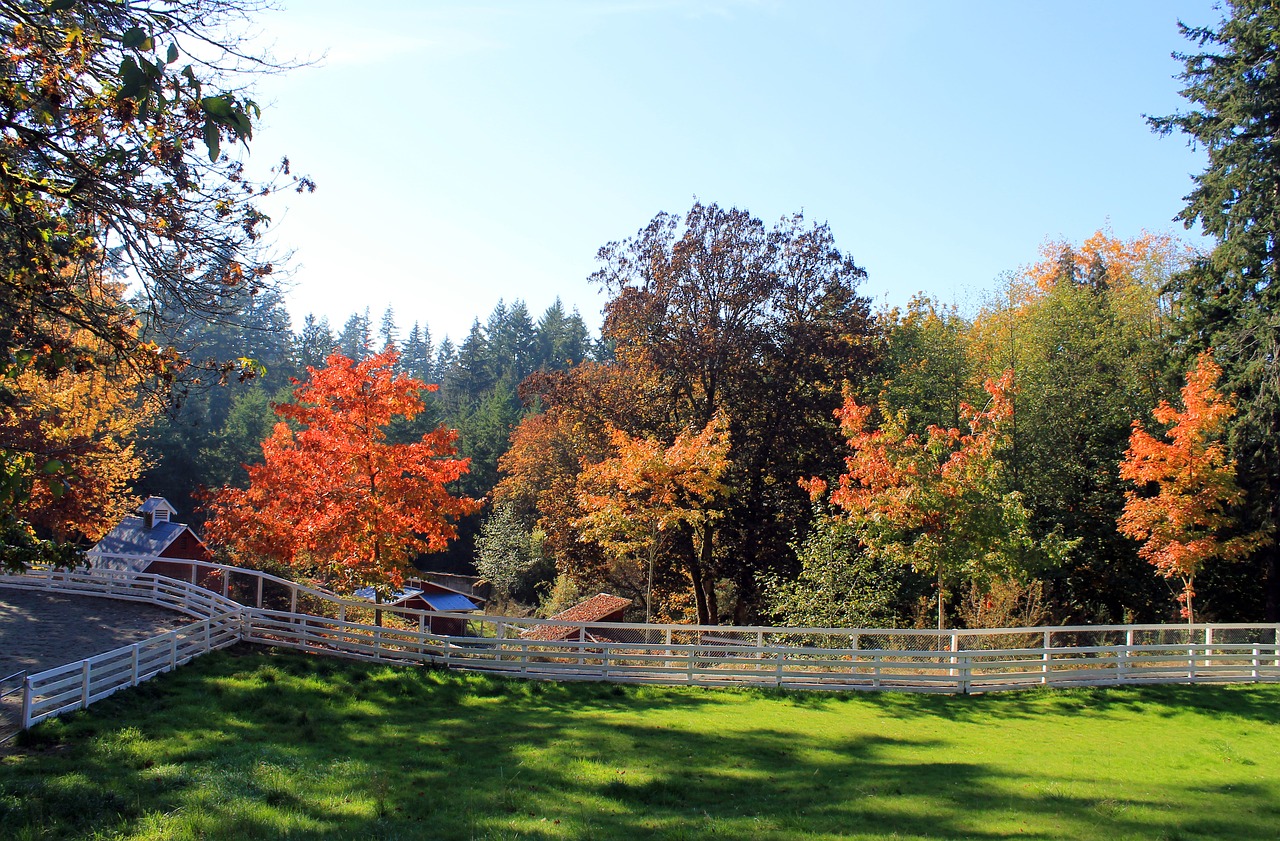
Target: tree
{"points": [[550, 449], [1086, 329], [648, 492], [508, 552], [334, 498], [937, 501], [112, 167], [760, 323], [84, 423], [1182, 526], [840, 584], [1231, 301]]}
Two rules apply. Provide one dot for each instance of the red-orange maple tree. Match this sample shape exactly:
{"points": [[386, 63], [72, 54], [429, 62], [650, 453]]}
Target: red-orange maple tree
{"points": [[937, 501], [333, 497], [1181, 526]]}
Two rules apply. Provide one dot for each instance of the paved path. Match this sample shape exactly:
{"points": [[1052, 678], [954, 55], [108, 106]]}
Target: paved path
{"points": [[42, 630]]}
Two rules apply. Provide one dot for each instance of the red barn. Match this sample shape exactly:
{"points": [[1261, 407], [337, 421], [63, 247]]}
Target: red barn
{"points": [[147, 535], [598, 608], [436, 598]]}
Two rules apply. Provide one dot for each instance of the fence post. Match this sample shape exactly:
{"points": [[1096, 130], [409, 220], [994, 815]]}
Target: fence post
{"points": [[26, 703], [133, 665], [173, 652], [1044, 666], [955, 646], [1208, 649], [1123, 668], [84, 685], [259, 591], [966, 672], [293, 599]]}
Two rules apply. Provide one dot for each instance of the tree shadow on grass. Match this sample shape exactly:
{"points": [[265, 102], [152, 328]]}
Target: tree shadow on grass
{"points": [[269, 745]]}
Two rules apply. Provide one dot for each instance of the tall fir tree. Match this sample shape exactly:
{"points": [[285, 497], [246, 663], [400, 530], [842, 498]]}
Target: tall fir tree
{"points": [[1231, 301]]}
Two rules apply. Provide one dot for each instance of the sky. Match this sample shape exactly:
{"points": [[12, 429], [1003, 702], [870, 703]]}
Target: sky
{"points": [[467, 152]]}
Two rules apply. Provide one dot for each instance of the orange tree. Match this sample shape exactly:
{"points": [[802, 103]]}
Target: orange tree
{"points": [[648, 492], [333, 497], [937, 501], [1181, 526]]}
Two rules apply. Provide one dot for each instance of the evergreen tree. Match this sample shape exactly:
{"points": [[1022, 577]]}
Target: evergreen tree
{"points": [[387, 331], [446, 359], [1231, 302], [356, 339], [314, 343], [417, 358]]}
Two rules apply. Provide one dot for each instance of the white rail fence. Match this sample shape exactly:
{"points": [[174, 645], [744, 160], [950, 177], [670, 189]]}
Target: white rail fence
{"points": [[233, 604], [77, 685]]}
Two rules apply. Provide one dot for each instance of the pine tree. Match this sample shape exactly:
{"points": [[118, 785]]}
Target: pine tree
{"points": [[1231, 302]]}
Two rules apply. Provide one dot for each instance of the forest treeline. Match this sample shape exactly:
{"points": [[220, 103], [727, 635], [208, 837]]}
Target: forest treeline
{"points": [[746, 439], [714, 314]]}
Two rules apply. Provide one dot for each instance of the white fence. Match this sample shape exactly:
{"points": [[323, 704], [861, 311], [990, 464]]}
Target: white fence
{"points": [[77, 685], [235, 604]]}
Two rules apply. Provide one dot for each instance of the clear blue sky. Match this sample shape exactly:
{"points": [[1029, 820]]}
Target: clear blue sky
{"points": [[471, 151]]}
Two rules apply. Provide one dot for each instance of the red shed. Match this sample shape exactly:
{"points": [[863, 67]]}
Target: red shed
{"points": [[435, 598], [147, 535]]}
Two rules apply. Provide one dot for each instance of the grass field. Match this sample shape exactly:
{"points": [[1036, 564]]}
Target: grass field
{"points": [[256, 744]]}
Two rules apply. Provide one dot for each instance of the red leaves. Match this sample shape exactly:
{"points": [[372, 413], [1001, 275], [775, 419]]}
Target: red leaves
{"points": [[1195, 485], [335, 497]]}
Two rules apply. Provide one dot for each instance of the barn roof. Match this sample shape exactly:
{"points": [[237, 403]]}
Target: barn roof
{"points": [[447, 600], [132, 537], [593, 609]]}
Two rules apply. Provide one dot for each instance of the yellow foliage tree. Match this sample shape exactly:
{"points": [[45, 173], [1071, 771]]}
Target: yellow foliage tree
{"points": [[75, 436]]}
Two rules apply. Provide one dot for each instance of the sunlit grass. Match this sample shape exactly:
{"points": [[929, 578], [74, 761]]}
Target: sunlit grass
{"points": [[257, 744]]}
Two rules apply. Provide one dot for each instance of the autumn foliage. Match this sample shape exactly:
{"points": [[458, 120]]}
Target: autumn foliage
{"points": [[1182, 526], [333, 496], [647, 493], [936, 501]]}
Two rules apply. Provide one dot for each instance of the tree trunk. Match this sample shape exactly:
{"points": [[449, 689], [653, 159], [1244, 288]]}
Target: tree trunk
{"points": [[1271, 580], [699, 597], [940, 610], [708, 580]]}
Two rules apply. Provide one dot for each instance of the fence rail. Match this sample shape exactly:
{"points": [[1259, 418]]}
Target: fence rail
{"points": [[233, 604]]}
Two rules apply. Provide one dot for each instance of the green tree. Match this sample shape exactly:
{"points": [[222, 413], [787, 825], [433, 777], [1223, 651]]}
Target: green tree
{"points": [[840, 584], [509, 554], [1231, 301]]}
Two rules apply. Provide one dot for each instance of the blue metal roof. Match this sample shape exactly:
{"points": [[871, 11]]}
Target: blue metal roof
{"points": [[132, 537], [448, 601]]}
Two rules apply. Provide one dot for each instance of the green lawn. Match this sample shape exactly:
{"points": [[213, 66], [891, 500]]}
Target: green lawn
{"points": [[258, 744]]}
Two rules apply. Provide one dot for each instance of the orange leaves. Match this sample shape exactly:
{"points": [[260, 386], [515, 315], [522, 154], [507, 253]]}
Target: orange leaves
{"points": [[646, 489], [1102, 258], [902, 478], [936, 501], [335, 496], [634, 500], [1195, 484]]}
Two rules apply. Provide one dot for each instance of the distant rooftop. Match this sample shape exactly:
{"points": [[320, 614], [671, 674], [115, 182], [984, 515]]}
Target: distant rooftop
{"points": [[593, 609]]}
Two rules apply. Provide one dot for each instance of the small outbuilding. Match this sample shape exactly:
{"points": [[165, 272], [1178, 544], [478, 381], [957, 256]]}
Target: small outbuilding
{"points": [[146, 539], [432, 597], [599, 608]]}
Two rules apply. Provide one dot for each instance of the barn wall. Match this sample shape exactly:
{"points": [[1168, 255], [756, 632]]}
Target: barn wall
{"points": [[187, 545]]}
